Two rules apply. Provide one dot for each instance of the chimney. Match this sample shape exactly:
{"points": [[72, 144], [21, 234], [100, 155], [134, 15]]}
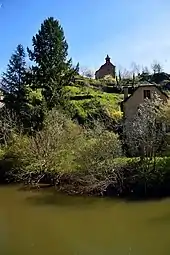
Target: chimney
{"points": [[125, 92]]}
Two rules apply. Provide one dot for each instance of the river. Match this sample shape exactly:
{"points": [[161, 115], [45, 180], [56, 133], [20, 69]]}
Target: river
{"points": [[46, 223]]}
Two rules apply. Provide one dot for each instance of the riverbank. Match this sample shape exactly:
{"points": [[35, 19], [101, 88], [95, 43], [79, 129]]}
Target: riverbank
{"points": [[127, 177], [80, 160]]}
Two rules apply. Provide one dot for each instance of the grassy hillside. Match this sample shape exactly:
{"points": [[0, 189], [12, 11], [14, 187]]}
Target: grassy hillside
{"points": [[86, 99]]}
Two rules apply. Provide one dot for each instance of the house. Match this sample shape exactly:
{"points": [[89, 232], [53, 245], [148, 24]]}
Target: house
{"points": [[107, 69], [131, 102]]}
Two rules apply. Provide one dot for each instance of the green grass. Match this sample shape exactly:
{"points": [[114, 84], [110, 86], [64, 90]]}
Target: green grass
{"points": [[85, 107]]}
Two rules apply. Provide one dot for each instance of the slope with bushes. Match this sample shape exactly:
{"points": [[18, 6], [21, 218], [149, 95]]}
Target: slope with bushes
{"points": [[87, 101]]}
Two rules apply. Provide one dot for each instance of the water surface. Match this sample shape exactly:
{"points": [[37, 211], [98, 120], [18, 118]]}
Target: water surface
{"points": [[47, 223]]}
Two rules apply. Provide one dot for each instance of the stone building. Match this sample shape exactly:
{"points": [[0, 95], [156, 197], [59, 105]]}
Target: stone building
{"points": [[131, 102], [107, 69]]}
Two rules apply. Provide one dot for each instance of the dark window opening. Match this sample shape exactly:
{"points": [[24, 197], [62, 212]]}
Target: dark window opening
{"points": [[147, 94]]}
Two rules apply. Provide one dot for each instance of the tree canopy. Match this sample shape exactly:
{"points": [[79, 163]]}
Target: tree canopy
{"points": [[52, 70], [13, 81]]}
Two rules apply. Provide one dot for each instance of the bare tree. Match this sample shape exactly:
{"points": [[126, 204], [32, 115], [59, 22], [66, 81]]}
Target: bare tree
{"points": [[125, 74], [84, 71], [136, 69], [156, 67], [145, 69]]}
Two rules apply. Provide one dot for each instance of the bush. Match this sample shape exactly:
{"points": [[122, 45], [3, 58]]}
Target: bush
{"points": [[101, 149], [52, 149], [145, 178], [14, 157], [63, 152], [49, 152], [9, 124], [95, 162]]}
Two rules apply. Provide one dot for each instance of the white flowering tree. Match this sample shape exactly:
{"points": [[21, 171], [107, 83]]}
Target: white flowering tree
{"points": [[145, 137], [145, 132]]}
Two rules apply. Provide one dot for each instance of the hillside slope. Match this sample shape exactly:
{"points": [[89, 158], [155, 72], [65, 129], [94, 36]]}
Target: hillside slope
{"points": [[86, 100]]}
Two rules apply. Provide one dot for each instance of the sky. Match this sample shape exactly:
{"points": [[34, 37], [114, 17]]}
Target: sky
{"points": [[127, 30]]}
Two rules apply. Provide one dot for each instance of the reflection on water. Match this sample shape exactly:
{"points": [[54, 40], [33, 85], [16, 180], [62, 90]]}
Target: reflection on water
{"points": [[45, 222]]}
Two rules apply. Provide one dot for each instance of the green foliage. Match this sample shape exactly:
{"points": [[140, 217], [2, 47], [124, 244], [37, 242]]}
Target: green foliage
{"points": [[49, 151], [34, 96], [52, 148], [141, 179], [14, 157], [99, 100], [97, 155], [9, 125], [19, 97], [59, 148], [36, 109], [80, 160], [13, 82], [52, 70]]}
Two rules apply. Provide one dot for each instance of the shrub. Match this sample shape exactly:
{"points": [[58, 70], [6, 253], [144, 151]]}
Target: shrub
{"points": [[48, 152], [148, 178], [96, 161], [9, 124], [14, 157], [100, 150], [52, 149]]}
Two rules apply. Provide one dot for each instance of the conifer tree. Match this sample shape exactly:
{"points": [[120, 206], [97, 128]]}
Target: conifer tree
{"points": [[13, 81], [52, 70]]}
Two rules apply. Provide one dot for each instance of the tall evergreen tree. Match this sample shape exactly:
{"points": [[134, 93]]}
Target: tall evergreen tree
{"points": [[13, 81], [52, 70]]}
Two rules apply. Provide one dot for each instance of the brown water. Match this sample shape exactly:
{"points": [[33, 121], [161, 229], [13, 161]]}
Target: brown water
{"points": [[46, 223]]}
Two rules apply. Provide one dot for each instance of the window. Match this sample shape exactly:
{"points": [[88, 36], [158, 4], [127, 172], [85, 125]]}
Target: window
{"points": [[147, 94]]}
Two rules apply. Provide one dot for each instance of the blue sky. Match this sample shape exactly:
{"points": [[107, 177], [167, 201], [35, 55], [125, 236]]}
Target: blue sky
{"points": [[128, 30]]}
